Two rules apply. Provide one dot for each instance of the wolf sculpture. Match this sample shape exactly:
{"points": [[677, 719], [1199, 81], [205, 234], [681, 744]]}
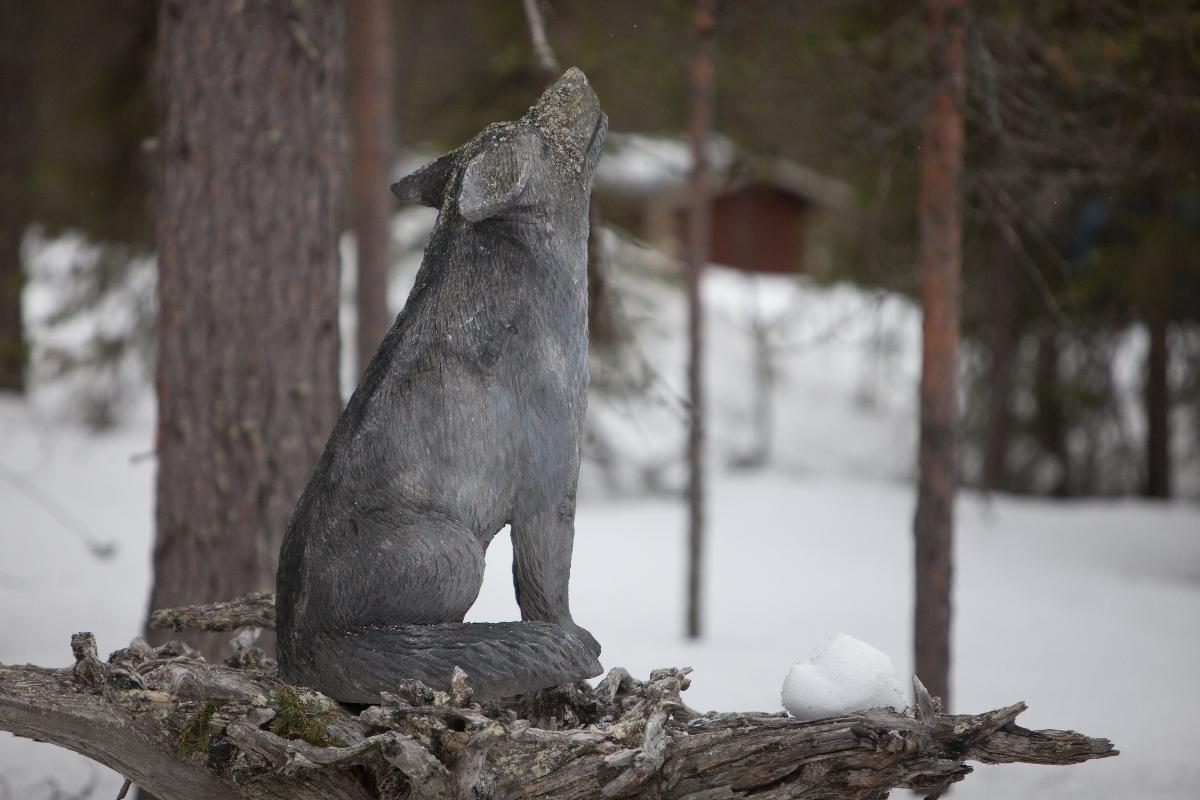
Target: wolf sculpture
{"points": [[467, 419]]}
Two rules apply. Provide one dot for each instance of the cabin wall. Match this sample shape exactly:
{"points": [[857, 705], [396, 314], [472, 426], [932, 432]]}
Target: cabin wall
{"points": [[754, 228], [760, 230]]}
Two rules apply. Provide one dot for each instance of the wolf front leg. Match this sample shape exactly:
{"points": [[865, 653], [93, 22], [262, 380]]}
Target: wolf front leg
{"points": [[542, 544]]}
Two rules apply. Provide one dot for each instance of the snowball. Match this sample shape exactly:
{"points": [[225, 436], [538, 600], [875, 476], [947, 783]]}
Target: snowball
{"points": [[843, 675]]}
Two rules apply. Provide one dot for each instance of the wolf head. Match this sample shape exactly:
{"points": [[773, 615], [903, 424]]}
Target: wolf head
{"points": [[541, 162]]}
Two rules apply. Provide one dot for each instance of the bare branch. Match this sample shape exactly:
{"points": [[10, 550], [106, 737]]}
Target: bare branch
{"points": [[253, 610], [547, 61]]}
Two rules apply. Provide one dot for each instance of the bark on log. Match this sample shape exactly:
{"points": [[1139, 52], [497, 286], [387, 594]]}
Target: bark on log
{"points": [[253, 610], [184, 728]]}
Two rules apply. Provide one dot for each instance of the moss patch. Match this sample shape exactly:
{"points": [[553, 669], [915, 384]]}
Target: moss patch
{"points": [[194, 736], [296, 720]]}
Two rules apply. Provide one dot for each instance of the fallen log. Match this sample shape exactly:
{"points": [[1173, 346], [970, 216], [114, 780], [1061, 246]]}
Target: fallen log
{"points": [[183, 728]]}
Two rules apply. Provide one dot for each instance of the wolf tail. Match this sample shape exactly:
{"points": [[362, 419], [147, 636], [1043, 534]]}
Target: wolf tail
{"points": [[500, 658]]}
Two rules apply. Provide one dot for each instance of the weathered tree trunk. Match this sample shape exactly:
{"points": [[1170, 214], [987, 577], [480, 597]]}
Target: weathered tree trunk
{"points": [[186, 729], [699, 217], [370, 71], [1002, 353], [1158, 411], [16, 109], [939, 217], [248, 198]]}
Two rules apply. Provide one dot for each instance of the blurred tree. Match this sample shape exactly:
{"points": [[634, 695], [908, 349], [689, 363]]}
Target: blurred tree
{"points": [[469, 63], [78, 168], [1080, 183], [1022, 53], [16, 109], [1162, 220], [1002, 345], [939, 214], [1102, 225], [699, 214], [603, 332], [251, 159], [370, 74], [93, 116]]}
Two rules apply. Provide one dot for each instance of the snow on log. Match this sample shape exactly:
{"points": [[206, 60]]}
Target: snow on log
{"points": [[184, 728]]}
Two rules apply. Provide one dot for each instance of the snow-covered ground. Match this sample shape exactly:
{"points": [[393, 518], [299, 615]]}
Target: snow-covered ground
{"points": [[1088, 611]]}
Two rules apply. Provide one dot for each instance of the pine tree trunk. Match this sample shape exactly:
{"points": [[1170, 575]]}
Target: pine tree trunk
{"points": [[251, 148], [370, 71], [1158, 411], [940, 221], [1002, 346], [1051, 417], [700, 121], [16, 121]]}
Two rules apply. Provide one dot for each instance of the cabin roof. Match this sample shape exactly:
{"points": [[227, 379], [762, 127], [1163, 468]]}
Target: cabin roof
{"points": [[641, 166]]}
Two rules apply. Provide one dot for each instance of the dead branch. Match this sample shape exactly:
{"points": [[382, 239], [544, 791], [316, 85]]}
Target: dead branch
{"points": [[253, 610], [183, 728], [547, 60]]}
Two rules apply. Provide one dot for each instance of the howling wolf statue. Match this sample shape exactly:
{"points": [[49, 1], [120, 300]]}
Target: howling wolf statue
{"points": [[468, 419]]}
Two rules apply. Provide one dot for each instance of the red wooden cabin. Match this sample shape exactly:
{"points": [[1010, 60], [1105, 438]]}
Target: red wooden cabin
{"points": [[764, 209]]}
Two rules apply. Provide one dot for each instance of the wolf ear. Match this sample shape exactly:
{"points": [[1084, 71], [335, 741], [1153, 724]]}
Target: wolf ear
{"points": [[494, 179], [427, 186]]}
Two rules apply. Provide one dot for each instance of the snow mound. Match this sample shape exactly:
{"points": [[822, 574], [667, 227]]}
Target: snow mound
{"points": [[843, 675]]}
